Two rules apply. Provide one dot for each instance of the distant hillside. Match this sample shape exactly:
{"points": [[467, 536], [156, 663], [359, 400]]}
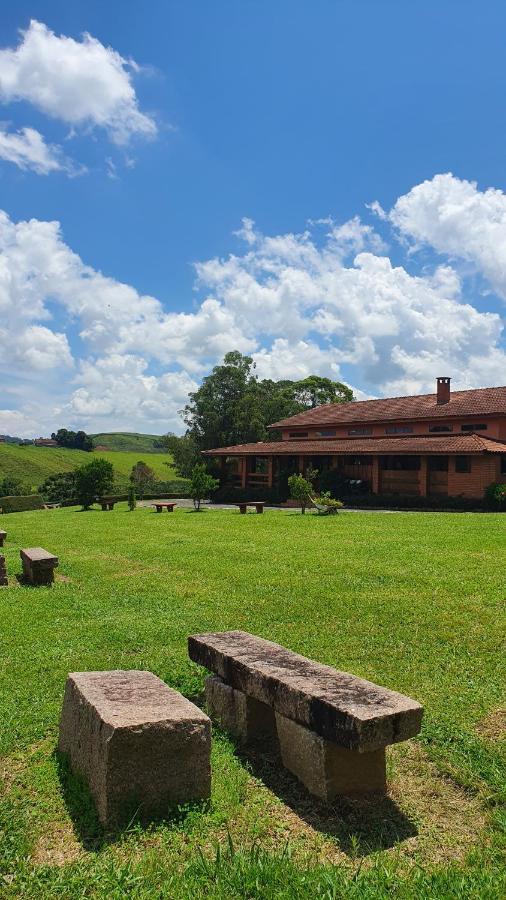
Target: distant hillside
{"points": [[33, 464], [125, 440]]}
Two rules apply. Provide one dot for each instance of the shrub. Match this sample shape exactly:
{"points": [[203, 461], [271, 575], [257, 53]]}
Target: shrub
{"points": [[59, 487], [11, 487], [21, 503], [201, 484], [495, 496], [326, 505], [300, 490], [93, 480], [142, 477]]}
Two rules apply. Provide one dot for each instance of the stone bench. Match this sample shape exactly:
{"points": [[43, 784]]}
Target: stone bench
{"points": [[107, 503], [3, 538], [141, 746], [243, 507], [332, 727], [38, 565], [4, 581], [161, 506]]}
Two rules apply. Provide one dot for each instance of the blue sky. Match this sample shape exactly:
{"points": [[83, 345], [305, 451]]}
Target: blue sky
{"points": [[295, 116]]}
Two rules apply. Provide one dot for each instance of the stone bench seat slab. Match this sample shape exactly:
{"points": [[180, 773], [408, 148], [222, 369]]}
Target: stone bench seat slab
{"points": [[349, 711], [140, 745], [38, 565]]}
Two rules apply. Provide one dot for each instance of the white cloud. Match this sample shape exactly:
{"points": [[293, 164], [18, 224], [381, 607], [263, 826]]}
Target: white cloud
{"points": [[118, 391], [299, 304], [455, 218], [27, 149], [82, 83]]}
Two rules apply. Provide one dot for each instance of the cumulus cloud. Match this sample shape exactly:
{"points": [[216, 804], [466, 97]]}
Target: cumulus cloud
{"points": [[455, 218], [82, 83], [332, 304], [27, 149]]}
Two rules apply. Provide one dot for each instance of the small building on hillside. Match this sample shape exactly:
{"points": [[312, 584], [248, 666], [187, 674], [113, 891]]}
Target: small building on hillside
{"points": [[45, 442], [450, 444]]}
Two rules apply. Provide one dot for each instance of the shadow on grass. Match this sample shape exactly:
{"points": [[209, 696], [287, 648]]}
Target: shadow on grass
{"points": [[81, 808], [360, 826]]}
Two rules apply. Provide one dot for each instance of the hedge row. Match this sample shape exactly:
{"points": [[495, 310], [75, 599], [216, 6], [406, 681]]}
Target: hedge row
{"points": [[21, 504]]}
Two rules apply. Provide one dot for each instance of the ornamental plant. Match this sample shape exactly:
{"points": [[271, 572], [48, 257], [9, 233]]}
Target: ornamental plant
{"points": [[202, 484], [300, 490], [326, 505], [495, 496]]}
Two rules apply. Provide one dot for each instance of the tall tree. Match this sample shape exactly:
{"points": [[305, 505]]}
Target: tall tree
{"points": [[232, 406]]}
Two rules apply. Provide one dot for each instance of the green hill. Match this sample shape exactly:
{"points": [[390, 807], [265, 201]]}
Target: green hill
{"points": [[33, 464], [126, 440]]}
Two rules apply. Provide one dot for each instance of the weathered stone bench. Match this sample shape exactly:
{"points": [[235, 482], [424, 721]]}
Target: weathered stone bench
{"points": [[332, 727], [3, 538], [107, 503], [161, 506], [259, 506], [38, 565], [3, 572], [141, 746]]}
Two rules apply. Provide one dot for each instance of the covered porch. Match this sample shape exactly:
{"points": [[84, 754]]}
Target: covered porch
{"points": [[417, 467]]}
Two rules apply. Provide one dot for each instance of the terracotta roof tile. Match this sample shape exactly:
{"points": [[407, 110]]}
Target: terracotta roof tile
{"points": [[459, 443], [479, 402]]}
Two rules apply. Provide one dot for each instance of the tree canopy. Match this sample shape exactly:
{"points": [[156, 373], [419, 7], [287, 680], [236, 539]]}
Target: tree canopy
{"points": [[233, 406], [75, 440]]}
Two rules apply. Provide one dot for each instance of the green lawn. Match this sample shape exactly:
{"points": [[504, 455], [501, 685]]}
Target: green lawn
{"points": [[33, 464], [412, 601]]}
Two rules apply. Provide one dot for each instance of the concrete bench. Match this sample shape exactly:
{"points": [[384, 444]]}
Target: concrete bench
{"points": [[107, 503], [38, 565], [332, 727], [141, 746], [243, 507], [161, 506], [3, 572], [3, 538]]}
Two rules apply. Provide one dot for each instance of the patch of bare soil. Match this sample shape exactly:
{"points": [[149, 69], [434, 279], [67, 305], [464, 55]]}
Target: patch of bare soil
{"points": [[493, 726]]}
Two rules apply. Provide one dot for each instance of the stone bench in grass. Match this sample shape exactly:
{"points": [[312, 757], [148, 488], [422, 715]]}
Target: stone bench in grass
{"points": [[3, 538], [141, 746], [38, 565], [332, 727]]}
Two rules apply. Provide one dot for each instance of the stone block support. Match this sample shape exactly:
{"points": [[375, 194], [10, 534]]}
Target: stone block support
{"points": [[3, 572], [324, 768], [3, 538], [38, 565], [244, 717], [141, 746]]}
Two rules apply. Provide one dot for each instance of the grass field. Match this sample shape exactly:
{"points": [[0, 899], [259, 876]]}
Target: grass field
{"points": [[33, 464], [414, 601], [126, 440]]}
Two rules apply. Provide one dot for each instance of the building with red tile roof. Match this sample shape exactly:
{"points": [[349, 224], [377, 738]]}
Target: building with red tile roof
{"points": [[446, 443]]}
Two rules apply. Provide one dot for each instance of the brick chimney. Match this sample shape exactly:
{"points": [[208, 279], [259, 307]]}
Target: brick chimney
{"points": [[443, 390]]}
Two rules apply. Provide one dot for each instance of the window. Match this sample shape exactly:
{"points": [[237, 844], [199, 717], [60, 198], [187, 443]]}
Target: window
{"points": [[437, 428], [362, 431], [328, 432], [258, 465], [399, 429], [462, 464], [503, 465], [357, 460], [471, 426], [298, 434], [403, 463]]}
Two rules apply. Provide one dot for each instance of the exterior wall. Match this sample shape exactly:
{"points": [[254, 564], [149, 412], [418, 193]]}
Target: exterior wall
{"points": [[484, 470], [496, 428]]}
